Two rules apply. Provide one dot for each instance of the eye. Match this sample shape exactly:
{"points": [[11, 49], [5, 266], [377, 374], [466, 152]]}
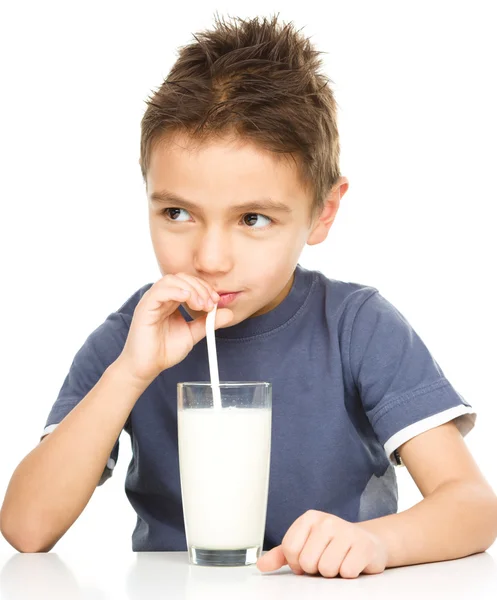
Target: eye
{"points": [[250, 219], [174, 213]]}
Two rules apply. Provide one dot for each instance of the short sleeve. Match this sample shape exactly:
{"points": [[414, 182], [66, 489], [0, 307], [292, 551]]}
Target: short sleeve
{"points": [[403, 390], [99, 351]]}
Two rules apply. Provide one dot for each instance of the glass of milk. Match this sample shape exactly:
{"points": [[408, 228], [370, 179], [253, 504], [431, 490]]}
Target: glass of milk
{"points": [[224, 453]]}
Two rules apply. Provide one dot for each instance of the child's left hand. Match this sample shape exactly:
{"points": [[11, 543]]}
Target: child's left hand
{"points": [[321, 543]]}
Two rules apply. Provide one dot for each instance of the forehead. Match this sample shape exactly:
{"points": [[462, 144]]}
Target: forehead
{"points": [[222, 168]]}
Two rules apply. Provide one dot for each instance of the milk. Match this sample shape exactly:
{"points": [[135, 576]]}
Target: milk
{"points": [[224, 461]]}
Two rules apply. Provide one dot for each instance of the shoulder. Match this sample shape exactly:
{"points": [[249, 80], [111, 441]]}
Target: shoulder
{"points": [[359, 310], [344, 299]]}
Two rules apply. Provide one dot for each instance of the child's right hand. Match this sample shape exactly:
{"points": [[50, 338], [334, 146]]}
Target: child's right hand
{"points": [[159, 336]]}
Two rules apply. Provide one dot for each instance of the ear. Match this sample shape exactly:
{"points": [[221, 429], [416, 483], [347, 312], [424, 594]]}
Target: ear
{"points": [[323, 222]]}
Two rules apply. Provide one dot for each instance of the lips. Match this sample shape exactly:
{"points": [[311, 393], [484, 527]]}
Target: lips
{"points": [[226, 298]]}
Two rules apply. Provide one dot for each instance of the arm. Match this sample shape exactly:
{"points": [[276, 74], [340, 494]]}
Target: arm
{"points": [[458, 515], [52, 485]]}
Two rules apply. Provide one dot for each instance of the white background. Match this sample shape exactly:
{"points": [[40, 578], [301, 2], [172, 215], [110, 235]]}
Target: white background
{"points": [[415, 84]]}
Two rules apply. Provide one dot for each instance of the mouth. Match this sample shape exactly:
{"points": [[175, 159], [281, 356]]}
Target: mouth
{"points": [[226, 298]]}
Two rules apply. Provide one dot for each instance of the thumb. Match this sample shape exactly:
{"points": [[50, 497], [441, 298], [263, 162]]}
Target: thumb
{"points": [[224, 316], [197, 327], [272, 560]]}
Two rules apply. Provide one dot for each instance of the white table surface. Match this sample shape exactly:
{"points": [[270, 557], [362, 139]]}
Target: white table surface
{"points": [[168, 576]]}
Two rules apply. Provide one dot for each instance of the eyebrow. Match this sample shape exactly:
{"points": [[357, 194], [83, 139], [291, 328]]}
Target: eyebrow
{"points": [[265, 204]]}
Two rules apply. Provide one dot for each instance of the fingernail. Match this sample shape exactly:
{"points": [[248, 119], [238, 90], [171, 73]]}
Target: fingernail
{"points": [[200, 301]]}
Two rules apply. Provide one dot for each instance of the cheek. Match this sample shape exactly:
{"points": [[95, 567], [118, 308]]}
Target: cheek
{"points": [[168, 250], [283, 257], [270, 260], [271, 270], [282, 249]]}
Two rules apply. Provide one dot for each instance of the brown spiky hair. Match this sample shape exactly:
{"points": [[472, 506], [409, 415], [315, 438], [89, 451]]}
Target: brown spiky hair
{"points": [[260, 80]]}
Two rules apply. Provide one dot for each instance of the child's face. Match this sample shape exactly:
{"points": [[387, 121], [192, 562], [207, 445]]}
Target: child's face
{"points": [[205, 231]]}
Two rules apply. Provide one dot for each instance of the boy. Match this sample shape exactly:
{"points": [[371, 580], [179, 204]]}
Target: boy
{"points": [[240, 156]]}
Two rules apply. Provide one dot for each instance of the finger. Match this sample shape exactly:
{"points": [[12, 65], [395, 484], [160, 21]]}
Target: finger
{"points": [[172, 281], [354, 562], [198, 326], [333, 556], [224, 316], [272, 560], [374, 566], [319, 537], [295, 539], [158, 297], [204, 293], [212, 292]]}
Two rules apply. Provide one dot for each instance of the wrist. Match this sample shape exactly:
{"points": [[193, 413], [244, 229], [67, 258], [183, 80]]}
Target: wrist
{"points": [[121, 369], [382, 529]]}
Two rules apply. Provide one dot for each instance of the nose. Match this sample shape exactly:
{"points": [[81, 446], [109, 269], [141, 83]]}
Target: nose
{"points": [[213, 253]]}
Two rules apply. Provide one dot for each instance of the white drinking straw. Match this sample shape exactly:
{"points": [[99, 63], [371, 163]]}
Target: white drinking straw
{"points": [[212, 355]]}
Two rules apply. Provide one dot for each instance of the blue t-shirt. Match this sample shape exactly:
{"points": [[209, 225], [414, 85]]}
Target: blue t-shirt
{"points": [[351, 382]]}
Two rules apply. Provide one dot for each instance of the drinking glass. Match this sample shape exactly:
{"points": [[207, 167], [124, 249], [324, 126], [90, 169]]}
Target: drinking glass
{"points": [[224, 455]]}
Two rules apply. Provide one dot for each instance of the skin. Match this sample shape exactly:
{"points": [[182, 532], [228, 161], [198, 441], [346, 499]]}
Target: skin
{"points": [[212, 242], [211, 246], [211, 249]]}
